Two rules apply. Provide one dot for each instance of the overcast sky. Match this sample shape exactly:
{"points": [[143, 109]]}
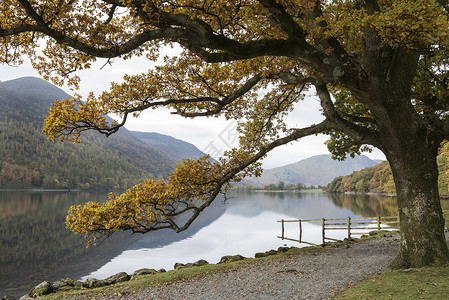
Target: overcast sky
{"points": [[210, 135]]}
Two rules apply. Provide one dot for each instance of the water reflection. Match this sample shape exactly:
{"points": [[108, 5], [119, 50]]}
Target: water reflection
{"points": [[303, 205], [34, 241], [366, 205], [247, 226], [36, 246]]}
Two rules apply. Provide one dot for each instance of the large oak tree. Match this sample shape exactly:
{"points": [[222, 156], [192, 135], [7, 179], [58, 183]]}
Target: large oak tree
{"points": [[379, 68]]}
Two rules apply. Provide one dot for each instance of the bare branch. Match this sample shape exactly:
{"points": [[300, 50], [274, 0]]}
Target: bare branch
{"points": [[249, 84], [111, 14]]}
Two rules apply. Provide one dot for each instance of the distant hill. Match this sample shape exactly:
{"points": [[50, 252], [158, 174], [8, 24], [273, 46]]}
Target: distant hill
{"points": [[29, 159], [379, 179], [316, 170], [177, 148]]}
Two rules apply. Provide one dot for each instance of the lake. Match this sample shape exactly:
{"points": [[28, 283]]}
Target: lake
{"points": [[36, 246]]}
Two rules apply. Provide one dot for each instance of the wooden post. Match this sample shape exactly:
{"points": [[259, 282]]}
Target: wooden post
{"points": [[323, 230], [378, 223], [282, 229], [300, 231], [349, 228]]}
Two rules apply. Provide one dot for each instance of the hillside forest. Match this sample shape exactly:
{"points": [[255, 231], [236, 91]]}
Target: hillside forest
{"points": [[28, 159], [379, 178]]}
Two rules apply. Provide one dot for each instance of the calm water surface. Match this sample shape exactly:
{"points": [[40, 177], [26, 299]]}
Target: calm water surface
{"points": [[35, 246]]}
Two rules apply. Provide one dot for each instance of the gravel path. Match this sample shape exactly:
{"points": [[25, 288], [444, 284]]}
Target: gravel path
{"points": [[303, 276]]}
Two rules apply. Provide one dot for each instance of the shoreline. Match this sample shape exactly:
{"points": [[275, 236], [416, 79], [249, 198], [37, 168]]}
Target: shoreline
{"points": [[231, 262], [37, 190], [248, 275]]}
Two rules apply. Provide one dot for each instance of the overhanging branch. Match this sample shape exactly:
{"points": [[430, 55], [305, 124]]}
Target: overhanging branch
{"points": [[295, 135], [219, 105]]}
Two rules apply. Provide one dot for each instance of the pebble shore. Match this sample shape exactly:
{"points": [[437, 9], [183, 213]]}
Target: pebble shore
{"points": [[318, 275]]}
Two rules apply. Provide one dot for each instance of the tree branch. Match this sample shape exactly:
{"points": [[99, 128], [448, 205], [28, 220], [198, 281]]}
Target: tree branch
{"points": [[359, 134], [295, 135], [370, 6], [249, 84], [286, 22], [219, 105], [16, 30], [111, 14]]}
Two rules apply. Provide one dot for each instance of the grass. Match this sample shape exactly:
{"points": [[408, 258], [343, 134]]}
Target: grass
{"points": [[425, 283]]}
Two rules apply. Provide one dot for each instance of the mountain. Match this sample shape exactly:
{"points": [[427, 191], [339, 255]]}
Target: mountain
{"points": [[177, 148], [316, 170], [29, 159]]}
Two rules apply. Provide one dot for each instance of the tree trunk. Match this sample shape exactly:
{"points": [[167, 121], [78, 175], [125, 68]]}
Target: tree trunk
{"points": [[415, 172], [411, 146]]}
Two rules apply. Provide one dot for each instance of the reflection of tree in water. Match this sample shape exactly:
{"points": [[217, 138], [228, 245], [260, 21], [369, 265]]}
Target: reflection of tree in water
{"points": [[366, 205]]}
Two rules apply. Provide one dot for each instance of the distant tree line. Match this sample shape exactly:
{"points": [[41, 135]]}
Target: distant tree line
{"points": [[290, 187], [281, 186]]}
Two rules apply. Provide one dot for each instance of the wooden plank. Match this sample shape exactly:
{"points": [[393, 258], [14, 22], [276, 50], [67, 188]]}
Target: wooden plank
{"points": [[287, 221], [339, 219], [363, 223], [354, 228], [361, 228], [345, 223], [295, 221], [352, 223], [368, 218]]}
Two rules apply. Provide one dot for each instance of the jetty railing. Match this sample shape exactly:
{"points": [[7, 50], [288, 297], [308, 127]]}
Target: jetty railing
{"points": [[351, 225]]}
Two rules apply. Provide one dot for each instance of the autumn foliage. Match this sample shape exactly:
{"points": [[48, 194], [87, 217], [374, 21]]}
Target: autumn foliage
{"points": [[379, 69], [149, 204], [155, 204]]}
